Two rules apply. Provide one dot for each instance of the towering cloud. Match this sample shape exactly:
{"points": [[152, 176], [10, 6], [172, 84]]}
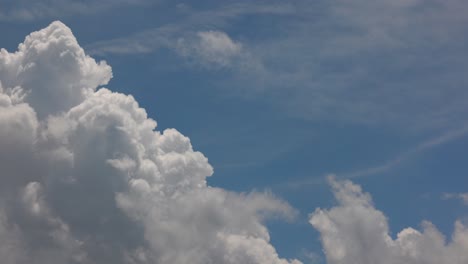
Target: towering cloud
{"points": [[86, 178], [354, 232]]}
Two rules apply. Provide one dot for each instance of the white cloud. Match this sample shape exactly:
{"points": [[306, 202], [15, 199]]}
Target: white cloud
{"points": [[186, 27], [354, 232], [459, 196], [210, 47], [52, 71], [86, 178]]}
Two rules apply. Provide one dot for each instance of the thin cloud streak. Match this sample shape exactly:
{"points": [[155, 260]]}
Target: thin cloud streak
{"points": [[330, 63], [24, 10], [426, 145], [165, 36], [389, 164]]}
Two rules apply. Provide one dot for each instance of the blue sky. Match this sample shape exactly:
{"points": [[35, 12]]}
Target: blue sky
{"points": [[280, 94]]}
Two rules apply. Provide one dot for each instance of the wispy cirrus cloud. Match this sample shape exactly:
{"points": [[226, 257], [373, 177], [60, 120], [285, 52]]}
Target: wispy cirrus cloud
{"points": [[23, 10], [210, 47], [411, 153], [397, 64], [190, 22], [392, 163], [373, 62]]}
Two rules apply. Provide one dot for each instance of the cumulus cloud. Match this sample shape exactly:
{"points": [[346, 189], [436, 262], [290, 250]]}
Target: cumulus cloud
{"points": [[355, 232], [87, 178], [51, 71]]}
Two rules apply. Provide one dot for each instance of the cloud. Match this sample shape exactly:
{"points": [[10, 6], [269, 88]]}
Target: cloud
{"points": [[51, 71], [210, 50], [390, 63], [459, 196], [354, 231], [372, 62], [24, 10], [391, 163], [87, 178], [188, 24], [425, 146], [210, 47]]}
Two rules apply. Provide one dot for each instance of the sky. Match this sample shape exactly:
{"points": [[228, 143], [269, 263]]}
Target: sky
{"points": [[257, 132]]}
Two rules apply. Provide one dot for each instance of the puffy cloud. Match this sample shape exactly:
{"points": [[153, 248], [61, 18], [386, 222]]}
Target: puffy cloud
{"points": [[87, 178], [18, 129], [52, 70], [210, 47], [354, 232]]}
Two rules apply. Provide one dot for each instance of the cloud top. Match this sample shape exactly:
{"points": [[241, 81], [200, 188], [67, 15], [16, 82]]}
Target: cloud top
{"points": [[355, 232], [52, 71]]}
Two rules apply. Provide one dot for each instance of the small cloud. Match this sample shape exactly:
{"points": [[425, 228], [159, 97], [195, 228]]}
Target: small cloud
{"points": [[210, 48], [458, 196]]}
